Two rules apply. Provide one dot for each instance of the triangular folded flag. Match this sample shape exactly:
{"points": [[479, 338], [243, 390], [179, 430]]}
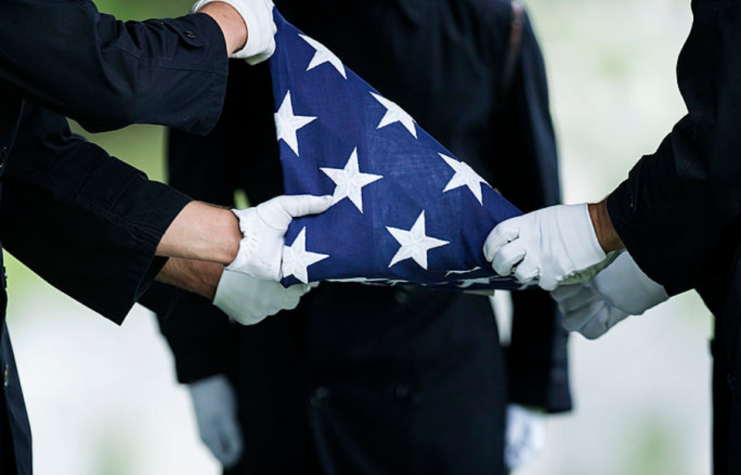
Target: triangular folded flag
{"points": [[406, 210]]}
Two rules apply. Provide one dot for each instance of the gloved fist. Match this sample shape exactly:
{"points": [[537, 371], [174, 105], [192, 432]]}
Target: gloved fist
{"points": [[586, 312], [264, 228], [525, 436], [622, 289], [215, 406], [550, 245], [249, 301], [261, 29]]}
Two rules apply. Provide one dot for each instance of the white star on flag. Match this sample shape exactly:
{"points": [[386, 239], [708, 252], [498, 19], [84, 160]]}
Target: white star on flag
{"points": [[350, 181], [414, 243], [464, 176], [287, 124], [296, 259], [323, 55], [394, 113]]}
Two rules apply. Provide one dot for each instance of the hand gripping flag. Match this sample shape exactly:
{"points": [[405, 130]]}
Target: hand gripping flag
{"points": [[405, 211]]}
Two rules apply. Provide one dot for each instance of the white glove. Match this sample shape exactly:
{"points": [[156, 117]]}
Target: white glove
{"points": [[261, 29], [215, 406], [249, 301], [585, 312], [551, 246], [622, 289], [525, 436], [264, 227]]}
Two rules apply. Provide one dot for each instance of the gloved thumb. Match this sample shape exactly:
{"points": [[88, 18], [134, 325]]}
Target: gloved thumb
{"points": [[500, 236], [278, 212], [304, 205]]}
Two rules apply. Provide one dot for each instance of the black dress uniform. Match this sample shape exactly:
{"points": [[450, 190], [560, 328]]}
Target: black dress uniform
{"points": [[86, 222], [370, 380], [679, 211]]}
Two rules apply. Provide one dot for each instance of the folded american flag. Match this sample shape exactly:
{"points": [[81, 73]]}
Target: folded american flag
{"points": [[406, 210]]}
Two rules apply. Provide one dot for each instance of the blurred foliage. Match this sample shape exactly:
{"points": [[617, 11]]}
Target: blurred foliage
{"points": [[144, 9], [654, 451]]}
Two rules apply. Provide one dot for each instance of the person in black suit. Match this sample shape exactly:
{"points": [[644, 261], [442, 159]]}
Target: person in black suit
{"points": [[364, 379], [678, 216], [97, 229]]}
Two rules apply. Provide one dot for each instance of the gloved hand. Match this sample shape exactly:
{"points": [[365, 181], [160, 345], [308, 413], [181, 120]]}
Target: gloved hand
{"points": [[551, 246], [249, 301], [525, 436], [264, 227], [215, 406], [622, 289], [261, 29]]}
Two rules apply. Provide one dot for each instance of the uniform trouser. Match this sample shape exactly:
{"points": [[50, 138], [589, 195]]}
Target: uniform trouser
{"points": [[372, 417], [731, 323], [723, 299], [721, 405], [7, 449]]}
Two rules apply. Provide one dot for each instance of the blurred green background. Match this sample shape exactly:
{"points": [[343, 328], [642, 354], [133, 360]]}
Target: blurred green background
{"points": [[103, 400]]}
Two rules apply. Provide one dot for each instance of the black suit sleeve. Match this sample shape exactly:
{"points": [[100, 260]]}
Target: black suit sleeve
{"points": [[678, 211], [528, 176], [84, 221], [67, 57]]}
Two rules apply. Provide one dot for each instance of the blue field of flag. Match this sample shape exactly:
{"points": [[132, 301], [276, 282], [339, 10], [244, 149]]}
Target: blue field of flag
{"points": [[406, 211]]}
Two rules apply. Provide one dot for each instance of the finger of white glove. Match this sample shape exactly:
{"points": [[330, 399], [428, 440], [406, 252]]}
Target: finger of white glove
{"points": [[249, 301], [509, 256], [607, 319], [576, 319], [230, 441], [279, 212], [500, 236], [548, 283], [299, 290], [210, 438], [579, 299], [565, 291], [593, 329], [291, 303], [527, 271]]}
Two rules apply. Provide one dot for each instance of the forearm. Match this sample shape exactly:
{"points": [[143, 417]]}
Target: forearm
{"points": [[606, 233], [231, 23], [198, 277], [202, 232]]}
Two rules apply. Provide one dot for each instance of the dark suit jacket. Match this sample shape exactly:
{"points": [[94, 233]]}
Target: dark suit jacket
{"points": [[86, 222], [679, 211]]}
